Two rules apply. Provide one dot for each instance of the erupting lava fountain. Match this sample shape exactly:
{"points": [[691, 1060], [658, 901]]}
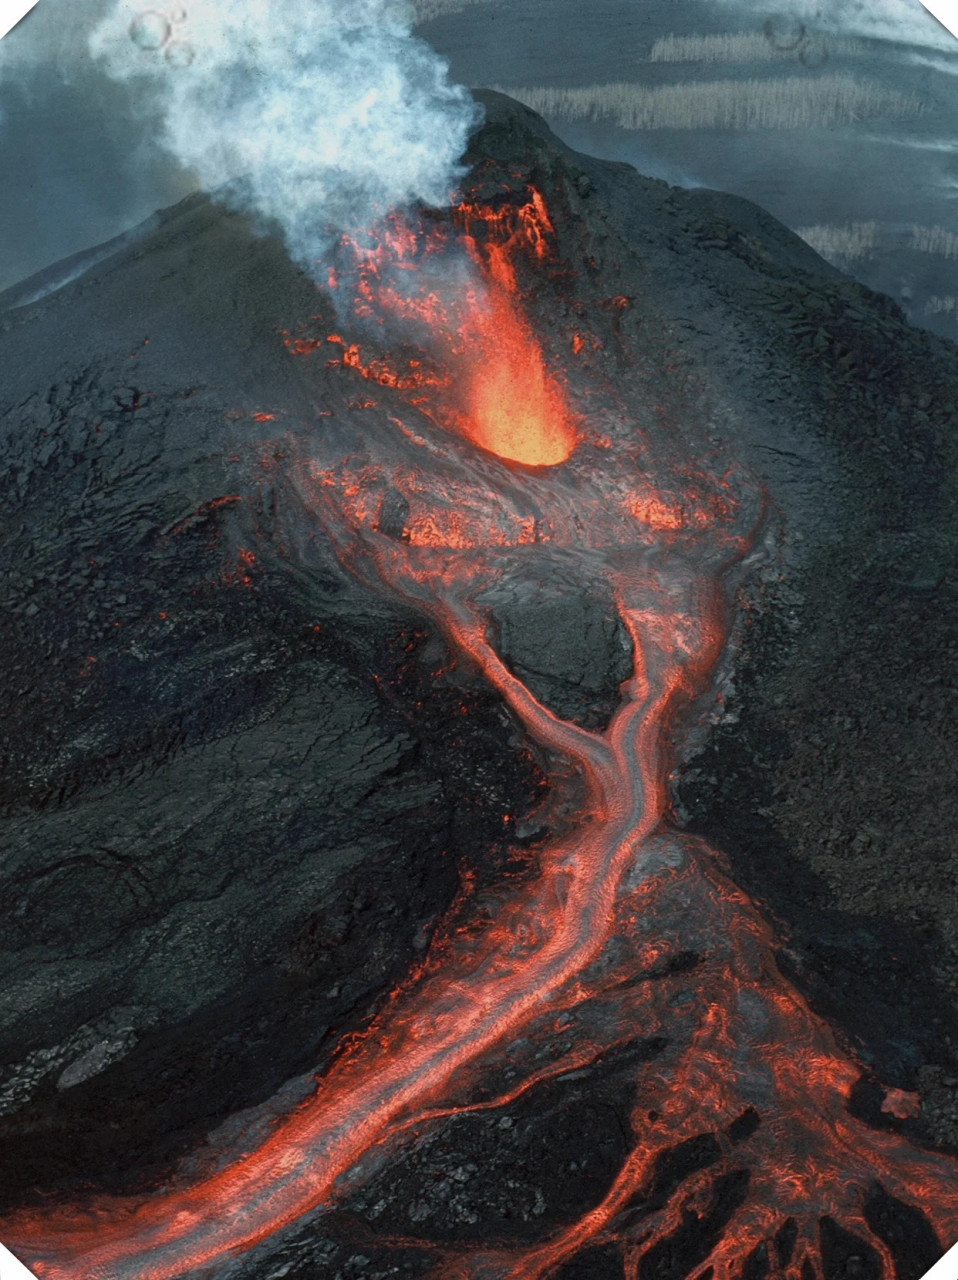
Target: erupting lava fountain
{"points": [[489, 473]]}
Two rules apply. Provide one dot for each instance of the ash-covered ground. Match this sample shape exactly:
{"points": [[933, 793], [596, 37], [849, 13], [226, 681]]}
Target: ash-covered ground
{"points": [[238, 790]]}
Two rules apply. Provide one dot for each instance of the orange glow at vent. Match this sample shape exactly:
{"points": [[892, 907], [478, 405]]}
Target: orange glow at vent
{"points": [[495, 388], [513, 409], [625, 932]]}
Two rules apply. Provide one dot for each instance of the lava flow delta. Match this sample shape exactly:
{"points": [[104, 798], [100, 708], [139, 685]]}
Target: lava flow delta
{"points": [[487, 466]]}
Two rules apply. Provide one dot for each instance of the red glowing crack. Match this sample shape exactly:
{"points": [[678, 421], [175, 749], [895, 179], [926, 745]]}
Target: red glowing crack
{"points": [[613, 898]]}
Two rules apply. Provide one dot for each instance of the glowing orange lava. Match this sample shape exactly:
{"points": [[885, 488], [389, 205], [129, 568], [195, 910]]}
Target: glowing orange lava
{"points": [[589, 943], [511, 405], [494, 387]]}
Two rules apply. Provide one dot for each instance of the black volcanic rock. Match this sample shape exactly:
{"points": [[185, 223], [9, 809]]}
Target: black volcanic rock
{"points": [[565, 641], [229, 804], [236, 788]]}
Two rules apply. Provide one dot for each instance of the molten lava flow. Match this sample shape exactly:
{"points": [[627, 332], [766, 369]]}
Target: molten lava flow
{"points": [[511, 406], [594, 941], [747, 1040], [494, 387]]}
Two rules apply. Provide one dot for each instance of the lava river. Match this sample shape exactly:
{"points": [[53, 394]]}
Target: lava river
{"points": [[485, 473]]}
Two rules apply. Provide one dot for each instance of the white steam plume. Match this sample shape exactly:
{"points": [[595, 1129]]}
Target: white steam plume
{"points": [[315, 114]]}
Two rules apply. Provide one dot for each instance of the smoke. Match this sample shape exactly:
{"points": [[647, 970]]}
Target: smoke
{"points": [[315, 115]]}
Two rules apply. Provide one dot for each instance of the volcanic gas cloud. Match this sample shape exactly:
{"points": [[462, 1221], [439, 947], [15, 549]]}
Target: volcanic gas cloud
{"points": [[487, 466]]}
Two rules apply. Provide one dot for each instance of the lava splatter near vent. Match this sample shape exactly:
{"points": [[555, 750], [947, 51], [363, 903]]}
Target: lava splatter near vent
{"points": [[488, 468], [485, 376]]}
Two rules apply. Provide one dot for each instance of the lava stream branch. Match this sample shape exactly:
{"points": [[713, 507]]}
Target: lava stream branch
{"points": [[753, 1051], [589, 750], [409, 1055], [745, 1068]]}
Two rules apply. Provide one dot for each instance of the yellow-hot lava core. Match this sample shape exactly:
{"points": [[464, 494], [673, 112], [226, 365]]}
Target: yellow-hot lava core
{"points": [[511, 406]]}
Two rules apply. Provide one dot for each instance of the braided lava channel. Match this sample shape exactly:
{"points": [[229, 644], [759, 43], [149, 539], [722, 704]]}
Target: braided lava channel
{"points": [[630, 930]]}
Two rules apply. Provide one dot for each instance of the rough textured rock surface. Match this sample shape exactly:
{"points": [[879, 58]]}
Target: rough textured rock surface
{"points": [[566, 642], [231, 801], [236, 789]]}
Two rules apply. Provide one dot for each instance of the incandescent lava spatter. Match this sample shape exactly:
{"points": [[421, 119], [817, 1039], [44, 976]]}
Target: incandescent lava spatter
{"points": [[629, 929]]}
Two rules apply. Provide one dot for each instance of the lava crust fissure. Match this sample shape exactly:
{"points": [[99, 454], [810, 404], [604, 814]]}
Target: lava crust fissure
{"points": [[703, 1117]]}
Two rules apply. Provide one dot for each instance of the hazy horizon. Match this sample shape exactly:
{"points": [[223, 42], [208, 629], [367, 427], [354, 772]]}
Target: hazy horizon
{"points": [[842, 125]]}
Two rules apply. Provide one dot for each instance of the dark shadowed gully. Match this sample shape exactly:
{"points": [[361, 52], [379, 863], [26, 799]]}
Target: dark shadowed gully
{"points": [[478, 761]]}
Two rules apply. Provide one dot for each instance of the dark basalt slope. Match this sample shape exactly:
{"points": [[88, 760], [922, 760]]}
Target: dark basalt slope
{"points": [[234, 796], [237, 788]]}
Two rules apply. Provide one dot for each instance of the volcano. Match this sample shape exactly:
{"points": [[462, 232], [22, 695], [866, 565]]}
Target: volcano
{"points": [[476, 753]]}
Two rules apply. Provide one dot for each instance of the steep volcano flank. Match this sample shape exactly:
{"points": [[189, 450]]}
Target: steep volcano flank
{"points": [[630, 958]]}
